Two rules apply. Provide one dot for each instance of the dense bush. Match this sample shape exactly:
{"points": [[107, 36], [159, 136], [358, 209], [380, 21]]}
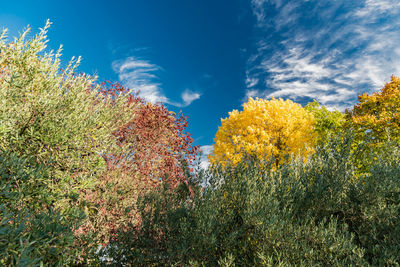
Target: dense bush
{"points": [[32, 231], [54, 127], [305, 213]]}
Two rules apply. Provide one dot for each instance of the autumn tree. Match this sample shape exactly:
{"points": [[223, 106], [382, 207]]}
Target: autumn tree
{"points": [[326, 122], [377, 116], [264, 129], [153, 147]]}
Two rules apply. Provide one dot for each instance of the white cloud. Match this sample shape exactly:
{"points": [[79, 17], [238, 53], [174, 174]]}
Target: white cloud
{"points": [[206, 150], [251, 81], [352, 49], [373, 9], [189, 96], [140, 75]]}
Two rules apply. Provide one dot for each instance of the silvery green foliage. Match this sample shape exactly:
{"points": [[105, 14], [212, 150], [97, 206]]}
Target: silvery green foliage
{"points": [[318, 212], [52, 113], [54, 128]]}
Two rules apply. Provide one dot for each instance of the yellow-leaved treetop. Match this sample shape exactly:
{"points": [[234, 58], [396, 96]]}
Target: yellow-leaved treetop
{"points": [[265, 129]]}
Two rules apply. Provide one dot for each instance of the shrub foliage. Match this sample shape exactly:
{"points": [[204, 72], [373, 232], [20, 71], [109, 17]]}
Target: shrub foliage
{"points": [[305, 213], [52, 120]]}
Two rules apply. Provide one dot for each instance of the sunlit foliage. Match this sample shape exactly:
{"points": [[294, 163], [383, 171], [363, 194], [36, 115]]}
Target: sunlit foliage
{"points": [[327, 122], [55, 116], [377, 115], [92, 174], [56, 120], [265, 128], [304, 213]]}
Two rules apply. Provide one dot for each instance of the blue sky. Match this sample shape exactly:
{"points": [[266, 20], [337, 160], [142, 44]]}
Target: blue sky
{"points": [[207, 57]]}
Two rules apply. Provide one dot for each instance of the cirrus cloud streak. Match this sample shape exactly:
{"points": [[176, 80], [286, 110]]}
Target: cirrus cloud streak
{"points": [[325, 50], [141, 75]]}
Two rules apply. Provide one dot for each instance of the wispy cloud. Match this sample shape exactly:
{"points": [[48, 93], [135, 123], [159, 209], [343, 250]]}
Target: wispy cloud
{"points": [[188, 97], [324, 50], [374, 9], [141, 75]]}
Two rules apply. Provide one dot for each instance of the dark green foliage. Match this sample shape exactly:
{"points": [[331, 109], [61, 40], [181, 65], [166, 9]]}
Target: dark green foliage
{"points": [[314, 213], [31, 239], [32, 231]]}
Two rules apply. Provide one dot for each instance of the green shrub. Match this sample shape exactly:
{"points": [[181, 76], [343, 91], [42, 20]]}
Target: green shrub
{"points": [[54, 115], [55, 126], [32, 230], [314, 212]]}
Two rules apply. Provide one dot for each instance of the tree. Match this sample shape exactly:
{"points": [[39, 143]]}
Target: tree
{"points": [[326, 122], [54, 119], [153, 147], [377, 116], [55, 115], [374, 120], [264, 129]]}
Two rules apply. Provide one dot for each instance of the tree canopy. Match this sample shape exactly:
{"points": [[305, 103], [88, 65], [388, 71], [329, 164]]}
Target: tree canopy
{"points": [[264, 129], [326, 122], [377, 116]]}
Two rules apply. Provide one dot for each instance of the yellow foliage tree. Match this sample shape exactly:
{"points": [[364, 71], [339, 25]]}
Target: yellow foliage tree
{"points": [[377, 116], [264, 129]]}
